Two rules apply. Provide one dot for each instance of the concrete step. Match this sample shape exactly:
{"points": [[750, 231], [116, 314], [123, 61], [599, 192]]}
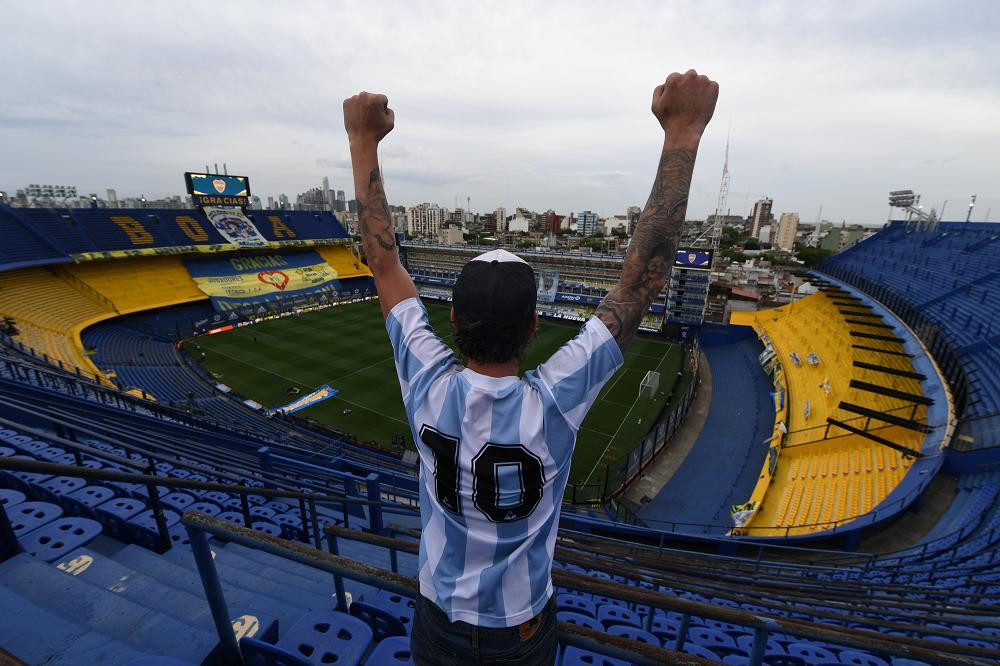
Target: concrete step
{"points": [[38, 636], [265, 568], [188, 607], [104, 612], [166, 570], [373, 555]]}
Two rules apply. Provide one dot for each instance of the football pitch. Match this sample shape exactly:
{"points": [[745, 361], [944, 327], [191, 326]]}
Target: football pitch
{"points": [[348, 348]]}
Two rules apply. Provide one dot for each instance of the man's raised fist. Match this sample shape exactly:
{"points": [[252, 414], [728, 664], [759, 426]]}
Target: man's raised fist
{"points": [[367, 117], [684, 103]]}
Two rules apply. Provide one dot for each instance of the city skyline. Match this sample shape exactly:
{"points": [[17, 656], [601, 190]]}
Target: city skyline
{"points": [[830, 105]]}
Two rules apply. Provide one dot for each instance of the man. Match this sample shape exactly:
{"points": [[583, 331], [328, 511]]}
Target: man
{"points": [[495, 450]]}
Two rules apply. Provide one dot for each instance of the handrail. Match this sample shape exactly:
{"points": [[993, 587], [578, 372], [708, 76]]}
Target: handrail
{"points": [[932, 651], [150, 481], [59, 469], [201, 468], [746, 570], [199, 526]]}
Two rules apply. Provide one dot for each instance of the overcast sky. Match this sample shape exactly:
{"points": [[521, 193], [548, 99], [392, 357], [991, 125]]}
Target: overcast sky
{"points": [[541, 105]]}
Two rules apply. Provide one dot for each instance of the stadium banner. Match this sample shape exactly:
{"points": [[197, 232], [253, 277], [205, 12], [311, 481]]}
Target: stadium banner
{"points": [[213, 248], [235, 227], [238, 282], [324, 392], [548, 285], [742, 513]]}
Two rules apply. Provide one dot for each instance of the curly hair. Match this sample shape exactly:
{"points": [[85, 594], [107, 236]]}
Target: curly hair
{"points": [[490, 341]]}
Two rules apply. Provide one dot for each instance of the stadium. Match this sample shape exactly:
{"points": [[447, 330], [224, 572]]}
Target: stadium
{"points": [[204, 456]]}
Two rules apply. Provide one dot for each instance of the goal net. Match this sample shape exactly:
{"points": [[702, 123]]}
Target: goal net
{"points": [[649, 385]]}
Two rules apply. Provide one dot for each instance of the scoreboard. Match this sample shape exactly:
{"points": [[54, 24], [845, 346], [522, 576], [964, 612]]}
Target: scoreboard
{"points": [[213, 189]]}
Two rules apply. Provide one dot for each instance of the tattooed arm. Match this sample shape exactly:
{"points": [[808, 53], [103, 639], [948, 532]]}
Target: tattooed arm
{"points": [[368, 119], [684, 105]]}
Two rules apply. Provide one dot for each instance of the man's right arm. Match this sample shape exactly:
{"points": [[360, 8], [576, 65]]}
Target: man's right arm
{"points": [[684, 105]]}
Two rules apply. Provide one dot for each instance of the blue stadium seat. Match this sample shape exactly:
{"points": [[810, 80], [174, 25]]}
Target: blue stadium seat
{"points": [[10, 498], [718, 641], [576, 603], [402, 608], [325, 637], [291, 526], [266, 527], [382, 622], [393, 651], [28, 516], [179, 537], [857, 658], [52, 489], [579, 619], [178, 501], [207, 508], [115, 514], [144, 530], [260, 653], [574, 656], [702, 651], [610, 615], [7, 451], [83, 501], [59, 537], [634, 633], [809, 652]]}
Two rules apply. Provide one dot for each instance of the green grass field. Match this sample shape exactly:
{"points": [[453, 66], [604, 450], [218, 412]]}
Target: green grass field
{"points": [[347, 347]]}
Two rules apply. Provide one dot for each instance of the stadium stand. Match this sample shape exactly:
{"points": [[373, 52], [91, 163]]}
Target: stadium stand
{"points": [[48, 314], [95, 483], [856, 413], [133, 285], [943, 283]]}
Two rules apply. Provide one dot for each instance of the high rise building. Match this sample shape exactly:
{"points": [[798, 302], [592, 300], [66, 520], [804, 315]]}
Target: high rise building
{"points": [[586, 223], [501, 219], [328, 198], [633, 214], [112, 198], [761, 216], [425, 219], [787, 226]]}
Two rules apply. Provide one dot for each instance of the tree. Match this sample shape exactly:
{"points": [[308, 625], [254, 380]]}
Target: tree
{"points": [[812, 256]]}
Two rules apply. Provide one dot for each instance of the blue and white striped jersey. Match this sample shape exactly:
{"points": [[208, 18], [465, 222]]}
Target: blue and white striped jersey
{"points": [[495, 456]]}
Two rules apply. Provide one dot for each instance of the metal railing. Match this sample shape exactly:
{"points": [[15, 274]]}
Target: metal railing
{"points": [[620, 473], [199, 527], [872, 641], [149, 479]]}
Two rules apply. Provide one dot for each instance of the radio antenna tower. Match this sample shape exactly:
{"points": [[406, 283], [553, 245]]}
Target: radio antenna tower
{"points": [[715, 231]]}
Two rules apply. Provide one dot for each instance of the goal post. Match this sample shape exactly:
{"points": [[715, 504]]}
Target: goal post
{"points": [[649, 385]]}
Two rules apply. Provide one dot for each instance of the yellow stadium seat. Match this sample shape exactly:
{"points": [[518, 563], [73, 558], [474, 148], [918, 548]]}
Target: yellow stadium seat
{"points": [[136, 284]]}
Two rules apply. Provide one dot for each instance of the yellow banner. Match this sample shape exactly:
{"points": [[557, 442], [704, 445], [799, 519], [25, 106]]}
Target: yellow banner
{"points": [[195, 249], [261, 276]]}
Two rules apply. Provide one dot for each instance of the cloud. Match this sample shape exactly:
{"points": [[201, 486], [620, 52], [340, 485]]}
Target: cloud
{"points": [[509, 103]]}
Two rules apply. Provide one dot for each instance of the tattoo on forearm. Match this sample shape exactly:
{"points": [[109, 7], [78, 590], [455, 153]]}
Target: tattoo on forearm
{"points": [[651, 252], [374, 218]]}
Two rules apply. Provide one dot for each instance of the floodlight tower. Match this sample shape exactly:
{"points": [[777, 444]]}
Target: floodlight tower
{"points": [[909, 201]]}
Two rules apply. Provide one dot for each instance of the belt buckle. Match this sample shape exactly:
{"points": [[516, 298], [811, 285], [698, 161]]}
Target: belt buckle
{"points": [[526, 630]]}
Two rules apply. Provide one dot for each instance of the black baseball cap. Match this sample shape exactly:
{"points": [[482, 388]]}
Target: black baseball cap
{"points": [[496, 286]]}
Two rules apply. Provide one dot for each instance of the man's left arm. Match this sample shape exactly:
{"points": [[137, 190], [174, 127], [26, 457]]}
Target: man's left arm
{"points": [[368, 119]]}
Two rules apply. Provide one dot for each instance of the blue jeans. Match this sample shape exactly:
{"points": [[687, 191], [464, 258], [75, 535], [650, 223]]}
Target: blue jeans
{"points": [[434, 641]]}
